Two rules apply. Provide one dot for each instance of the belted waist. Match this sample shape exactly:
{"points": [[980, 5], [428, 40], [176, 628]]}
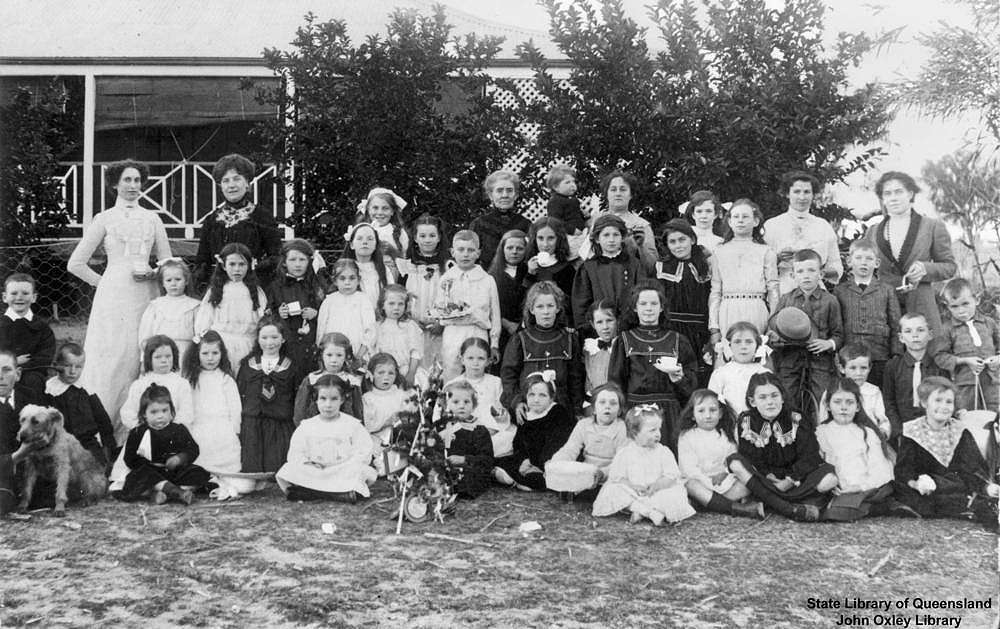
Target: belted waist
{"points": [[741, 296]]}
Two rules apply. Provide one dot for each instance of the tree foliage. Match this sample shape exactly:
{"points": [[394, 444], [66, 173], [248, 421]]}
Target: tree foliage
{"points": [[408, 110], [962, 72], [739, 94], [33, 134], [965, 188]]}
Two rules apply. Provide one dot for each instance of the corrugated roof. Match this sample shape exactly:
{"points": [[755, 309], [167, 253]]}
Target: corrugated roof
{"points": [[122, 29]]}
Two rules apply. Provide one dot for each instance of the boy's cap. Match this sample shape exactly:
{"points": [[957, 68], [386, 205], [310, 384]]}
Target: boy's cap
{"points": [[793, 325]]}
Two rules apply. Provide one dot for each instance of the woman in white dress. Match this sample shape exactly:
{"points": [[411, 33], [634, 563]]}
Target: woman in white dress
{"points": [[129, 233]]}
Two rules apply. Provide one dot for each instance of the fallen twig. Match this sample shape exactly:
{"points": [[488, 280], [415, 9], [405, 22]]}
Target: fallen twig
{"points": [[222, 503], [707, 599], [34, 620], [518, 504], [457, 539], [732, 539], [493, 521], [145, 521], [880, 564], [348, 544], [434, 563], [377, 502]]}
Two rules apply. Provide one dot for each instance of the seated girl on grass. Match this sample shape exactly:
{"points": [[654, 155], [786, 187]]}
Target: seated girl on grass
{"points": [[850, 441], [643, 477], [597, 438], [329, 454], [707, 439], [777, 456], [470, 449]]}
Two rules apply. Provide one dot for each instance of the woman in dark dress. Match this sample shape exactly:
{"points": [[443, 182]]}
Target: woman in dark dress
{"points": [[685, 276], [238, 219]]}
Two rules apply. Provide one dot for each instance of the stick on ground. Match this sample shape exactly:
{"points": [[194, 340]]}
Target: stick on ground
{"points": [[493, 521], [457, 539], [880, 564]]}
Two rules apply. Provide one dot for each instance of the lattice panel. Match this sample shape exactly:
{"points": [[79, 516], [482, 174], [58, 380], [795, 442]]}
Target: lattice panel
{"points": [[532, 208]]}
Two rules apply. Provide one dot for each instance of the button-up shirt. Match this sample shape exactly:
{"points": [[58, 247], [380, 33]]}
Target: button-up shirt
{"points": [[823, 310]]}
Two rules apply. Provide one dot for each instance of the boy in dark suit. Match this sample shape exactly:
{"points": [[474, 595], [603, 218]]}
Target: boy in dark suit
{"points": [[26, 335]]}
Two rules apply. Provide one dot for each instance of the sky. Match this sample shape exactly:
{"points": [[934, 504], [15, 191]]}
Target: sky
{"points": [[912, 139]]}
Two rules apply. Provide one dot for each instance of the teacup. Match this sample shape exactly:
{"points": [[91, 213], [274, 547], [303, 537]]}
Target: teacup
{"points": [[666, 363]]}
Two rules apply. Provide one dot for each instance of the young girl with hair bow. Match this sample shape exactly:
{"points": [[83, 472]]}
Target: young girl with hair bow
{"points": [[544, 429], [745, 353]]}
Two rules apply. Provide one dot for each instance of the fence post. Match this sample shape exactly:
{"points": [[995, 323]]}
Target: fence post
{"points": [[89, 124]]}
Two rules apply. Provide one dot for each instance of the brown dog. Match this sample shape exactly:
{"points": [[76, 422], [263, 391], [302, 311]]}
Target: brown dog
{"points": [[59, 458]]}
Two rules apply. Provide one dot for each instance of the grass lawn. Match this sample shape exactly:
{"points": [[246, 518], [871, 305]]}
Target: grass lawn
{"points": [[264, 562]]}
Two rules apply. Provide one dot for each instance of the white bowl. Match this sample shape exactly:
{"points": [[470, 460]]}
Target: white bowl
{"points": [[569, 475]]}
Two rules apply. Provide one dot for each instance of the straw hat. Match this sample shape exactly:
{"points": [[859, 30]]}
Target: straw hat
{"points": [[793, 325]]}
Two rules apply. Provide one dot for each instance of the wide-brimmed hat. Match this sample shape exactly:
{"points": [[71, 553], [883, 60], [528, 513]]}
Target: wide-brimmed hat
{"points": [[793, 325]]}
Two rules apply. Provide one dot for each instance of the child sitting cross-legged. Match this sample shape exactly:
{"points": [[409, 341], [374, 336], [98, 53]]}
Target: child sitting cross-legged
{"points": [[849, 440], [597, 438], [545, 428], [706, 441], [643, 477], [329, 454], [777, 456], [940, 471], [160, 454], [468, 444]]}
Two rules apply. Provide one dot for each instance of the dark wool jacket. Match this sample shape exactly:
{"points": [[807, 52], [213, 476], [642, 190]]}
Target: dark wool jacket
{"points": [[491, 226], [607, 278], [567, 209]]}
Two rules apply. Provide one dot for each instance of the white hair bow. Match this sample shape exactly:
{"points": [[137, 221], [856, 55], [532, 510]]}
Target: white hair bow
{"points": [[763, 350], [353, 228], [363, 205], [548, 375], [723, 347], [176, 259]]}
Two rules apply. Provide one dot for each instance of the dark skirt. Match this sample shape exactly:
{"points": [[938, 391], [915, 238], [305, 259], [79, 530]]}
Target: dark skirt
{"points": [[474, 481], [804, 492], [949, 500], [512, 464], [143, 480], [264, 443], [694, 327], [859, 504]]}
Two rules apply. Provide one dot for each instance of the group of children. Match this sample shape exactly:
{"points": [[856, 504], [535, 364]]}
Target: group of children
{"points": [[690, 380]]}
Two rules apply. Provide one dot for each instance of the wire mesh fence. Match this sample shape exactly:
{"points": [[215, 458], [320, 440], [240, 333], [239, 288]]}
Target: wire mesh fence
{"points": [[60, 294], [65, 298]]}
